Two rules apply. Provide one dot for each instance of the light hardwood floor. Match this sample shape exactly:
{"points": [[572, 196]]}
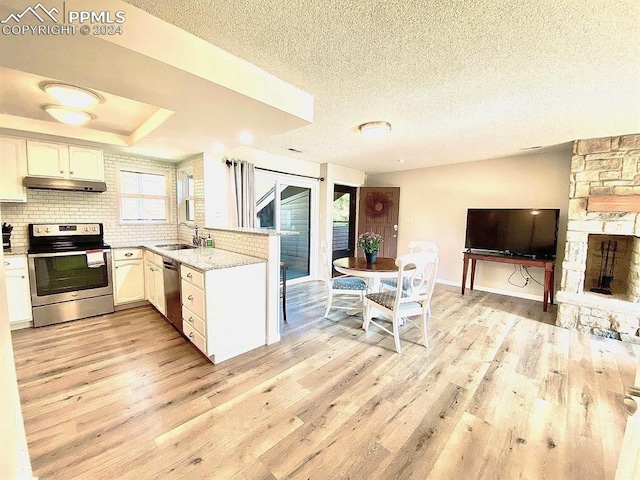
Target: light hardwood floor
{"points": [[500, 394]]}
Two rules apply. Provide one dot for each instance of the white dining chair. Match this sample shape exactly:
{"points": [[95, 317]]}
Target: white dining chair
{"points": [[417, 271], [414, 246], [344, 285]]}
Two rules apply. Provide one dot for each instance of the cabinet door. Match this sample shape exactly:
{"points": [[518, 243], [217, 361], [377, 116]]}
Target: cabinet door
{"points": [[13, 167], [150, 283], [47, 159], [159, 287], [129, 281], [18, 295], [86, 163]]}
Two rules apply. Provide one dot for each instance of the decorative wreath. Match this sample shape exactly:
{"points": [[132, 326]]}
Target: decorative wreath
{"points": [[377, 204]]}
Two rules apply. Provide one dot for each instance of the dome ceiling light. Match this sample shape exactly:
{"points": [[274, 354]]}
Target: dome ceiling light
{"points": [[67, 116], [375, 129], [71, 96]]}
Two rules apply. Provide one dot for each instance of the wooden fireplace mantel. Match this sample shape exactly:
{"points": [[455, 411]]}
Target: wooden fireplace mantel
{"points": [[613, 203]]}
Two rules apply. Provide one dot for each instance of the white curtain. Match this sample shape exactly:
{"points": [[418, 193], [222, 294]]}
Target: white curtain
{"points": [[244, 181]]}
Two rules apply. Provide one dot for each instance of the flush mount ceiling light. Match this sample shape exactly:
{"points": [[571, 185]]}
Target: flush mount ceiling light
{"points": [[66, 115], [375, 129], [71, 96]]}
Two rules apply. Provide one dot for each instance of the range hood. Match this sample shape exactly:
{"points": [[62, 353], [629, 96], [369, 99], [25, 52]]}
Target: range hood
{"points": [[44, 183]]}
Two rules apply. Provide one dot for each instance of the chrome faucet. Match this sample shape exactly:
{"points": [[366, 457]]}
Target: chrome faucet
{"points": [[196, 240]]}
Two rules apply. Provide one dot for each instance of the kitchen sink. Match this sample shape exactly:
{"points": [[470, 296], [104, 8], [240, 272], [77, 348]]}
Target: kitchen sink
{"points": [[176, 246]]}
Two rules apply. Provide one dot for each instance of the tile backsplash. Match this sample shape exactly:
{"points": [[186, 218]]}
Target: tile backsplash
{"points": [[54, 206]]}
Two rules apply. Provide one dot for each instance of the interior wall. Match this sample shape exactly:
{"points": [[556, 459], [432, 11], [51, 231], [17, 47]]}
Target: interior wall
{"points": [[434, 202]]}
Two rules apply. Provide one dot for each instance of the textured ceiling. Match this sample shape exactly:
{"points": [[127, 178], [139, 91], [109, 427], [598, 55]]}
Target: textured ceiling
{"points": [[459, 81]]}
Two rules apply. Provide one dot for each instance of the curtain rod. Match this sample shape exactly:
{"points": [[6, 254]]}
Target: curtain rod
{"points": [[229, 163]]}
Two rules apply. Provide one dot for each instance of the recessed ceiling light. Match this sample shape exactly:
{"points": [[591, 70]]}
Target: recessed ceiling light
{"points": [[375, 129], [66, 115], [245, 138], [71, 96], [400, 160]]}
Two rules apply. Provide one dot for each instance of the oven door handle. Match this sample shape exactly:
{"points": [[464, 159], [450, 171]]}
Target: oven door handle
{"points": [[61, 254]]}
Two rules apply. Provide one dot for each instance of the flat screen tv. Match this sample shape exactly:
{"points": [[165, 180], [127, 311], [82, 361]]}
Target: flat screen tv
{"points": [[523, 232]]}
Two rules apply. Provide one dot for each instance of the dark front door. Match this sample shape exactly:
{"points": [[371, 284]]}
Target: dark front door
{"points": [[378, 212]]}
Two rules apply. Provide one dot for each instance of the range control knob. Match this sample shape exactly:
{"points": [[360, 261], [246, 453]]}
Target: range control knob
{"points": [[47, 230], [38, 230], [86, 229]]}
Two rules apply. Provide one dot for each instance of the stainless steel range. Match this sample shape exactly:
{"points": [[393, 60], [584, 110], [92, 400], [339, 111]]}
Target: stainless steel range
{"points": [[69, 272]]}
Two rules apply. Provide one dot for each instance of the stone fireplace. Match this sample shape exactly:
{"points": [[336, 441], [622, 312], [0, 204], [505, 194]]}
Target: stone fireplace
{"points": [[600, 286]]}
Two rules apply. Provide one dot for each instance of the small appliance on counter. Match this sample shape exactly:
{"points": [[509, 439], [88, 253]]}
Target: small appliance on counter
{"points": [[6, 236]]}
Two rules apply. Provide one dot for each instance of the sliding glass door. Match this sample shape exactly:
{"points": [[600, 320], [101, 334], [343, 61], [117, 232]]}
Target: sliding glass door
{"points": [[288, 204]]}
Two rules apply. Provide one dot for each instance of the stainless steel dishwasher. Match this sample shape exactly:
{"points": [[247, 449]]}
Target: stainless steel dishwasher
{"points": [[171, 275]]}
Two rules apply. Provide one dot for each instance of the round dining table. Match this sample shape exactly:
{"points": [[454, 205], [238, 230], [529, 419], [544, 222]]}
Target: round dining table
{"points": [[384, 267]]}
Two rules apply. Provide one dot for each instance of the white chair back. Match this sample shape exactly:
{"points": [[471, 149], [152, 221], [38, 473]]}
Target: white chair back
{"points": [[344, 285], [417, 274]]}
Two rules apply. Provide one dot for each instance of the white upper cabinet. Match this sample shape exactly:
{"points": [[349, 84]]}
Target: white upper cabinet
{"points": [[86, 163], [47, 159], [63, 161], [13, 167]]}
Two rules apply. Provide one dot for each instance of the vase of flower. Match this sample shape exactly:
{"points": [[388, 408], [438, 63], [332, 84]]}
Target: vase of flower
{"points": [[371, 257], [370, 243]]}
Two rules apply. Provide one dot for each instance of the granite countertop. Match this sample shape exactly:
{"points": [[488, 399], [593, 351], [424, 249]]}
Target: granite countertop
{"points": [[15, 252], [201, 258]]}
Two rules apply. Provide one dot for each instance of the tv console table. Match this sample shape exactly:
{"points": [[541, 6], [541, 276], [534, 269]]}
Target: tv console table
{"points": [[547, 264]]}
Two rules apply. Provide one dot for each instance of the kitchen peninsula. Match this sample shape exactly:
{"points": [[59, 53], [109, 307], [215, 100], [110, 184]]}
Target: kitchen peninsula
{"points": [[211, 287]]}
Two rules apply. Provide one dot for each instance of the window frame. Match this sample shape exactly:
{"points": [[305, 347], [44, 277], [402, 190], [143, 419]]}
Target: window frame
{"points": [[166, 197], [183, 198]]}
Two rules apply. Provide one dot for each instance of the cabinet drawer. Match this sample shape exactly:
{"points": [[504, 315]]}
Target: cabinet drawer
{"points": [[126, 254], [14, 263], [194, 320], [193, 299], [192, 276], [195, 338]]}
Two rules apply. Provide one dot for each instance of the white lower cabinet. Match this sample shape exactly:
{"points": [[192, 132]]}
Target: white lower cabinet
{"points": [[128, 275], [154, 280], [18, 291], [224, 310]]}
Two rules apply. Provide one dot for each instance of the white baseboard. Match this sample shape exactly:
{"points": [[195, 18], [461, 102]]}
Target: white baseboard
{"points": [[509, 293], [20, 325]]}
